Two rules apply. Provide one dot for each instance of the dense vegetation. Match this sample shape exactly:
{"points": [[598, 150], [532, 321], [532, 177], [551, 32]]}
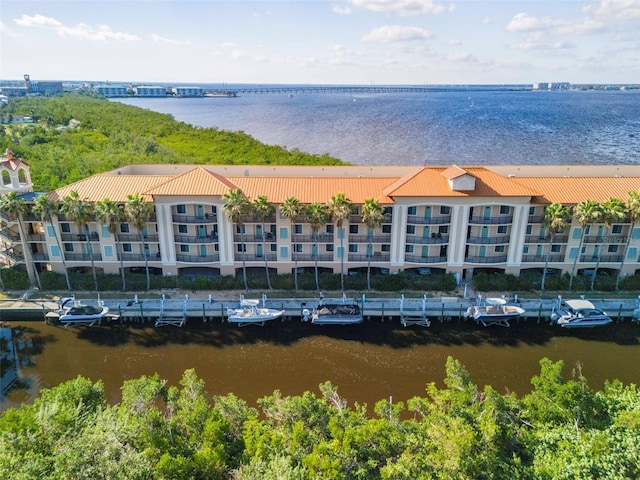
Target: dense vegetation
{"points": [[562, 429], [76, 136]]}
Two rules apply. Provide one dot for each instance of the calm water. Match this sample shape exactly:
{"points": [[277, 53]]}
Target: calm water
{"points": [[437, 128], [367, 362]]}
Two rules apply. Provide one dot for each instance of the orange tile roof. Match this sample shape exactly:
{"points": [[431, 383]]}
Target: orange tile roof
{"points": [[453, 171], [573, 190], [431, 182], [113, 187], [196, 182], [11, 161], [309, 189]]}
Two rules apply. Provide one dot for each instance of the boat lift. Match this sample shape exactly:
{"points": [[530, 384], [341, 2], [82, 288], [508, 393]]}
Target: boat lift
{"points": [[414, 317]]}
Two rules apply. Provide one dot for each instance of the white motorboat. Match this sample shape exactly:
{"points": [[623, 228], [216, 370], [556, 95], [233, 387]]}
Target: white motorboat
{"points": [[250, 313], [579, 314], [334, 312], [72, 312], [494, 311]]}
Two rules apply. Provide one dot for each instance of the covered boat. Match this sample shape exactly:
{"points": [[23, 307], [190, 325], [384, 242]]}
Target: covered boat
{"points": [[579, 314], [250, 313], [494, 311], [334, 312], [72, 312]]}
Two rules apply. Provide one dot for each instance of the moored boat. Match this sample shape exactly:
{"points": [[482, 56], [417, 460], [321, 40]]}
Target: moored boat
{"points": [[250, 313], [494, 311], [334, 312], [579, 313], [72, 312]]}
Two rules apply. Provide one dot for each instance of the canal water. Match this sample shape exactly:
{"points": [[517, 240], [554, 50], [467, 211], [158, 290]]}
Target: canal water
{"points": [[367, 362]]}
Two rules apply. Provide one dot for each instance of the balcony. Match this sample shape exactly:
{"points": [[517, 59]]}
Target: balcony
{"points": [[198, 258], [268, 237], [365, 238], [603, 258], [195, 239], [503, 240], [542, 258], [79, 237], [535, 218], [138, 257], [271, 257], [199, 219], [492, 259], [415, 220], [136, 237], [419, 259], [539, 239], [321, 238], [498, 220], [376, 257], [36, 237], [40, 257], [435, 238], [306, 257], [12, 255], [9, 235], [620, 239], [82, 257]]}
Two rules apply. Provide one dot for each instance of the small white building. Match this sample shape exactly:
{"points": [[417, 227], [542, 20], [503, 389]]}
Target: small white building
{"points": [[187, 92], [112, 90], [149, 91]]}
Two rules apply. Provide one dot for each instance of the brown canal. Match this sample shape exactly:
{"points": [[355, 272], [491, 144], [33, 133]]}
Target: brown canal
{"points": [[367, 362]]}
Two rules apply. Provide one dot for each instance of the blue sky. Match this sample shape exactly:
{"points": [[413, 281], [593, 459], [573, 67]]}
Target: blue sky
{"points": [[320, 42]]}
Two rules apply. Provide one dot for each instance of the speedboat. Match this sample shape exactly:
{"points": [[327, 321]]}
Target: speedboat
{"points": [[72, 312], [250, 313], [334, 312], [579, 314], [494, 311]]}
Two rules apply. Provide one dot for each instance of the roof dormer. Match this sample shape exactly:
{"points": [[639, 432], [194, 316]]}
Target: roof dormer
{"points": [[459, 179]]}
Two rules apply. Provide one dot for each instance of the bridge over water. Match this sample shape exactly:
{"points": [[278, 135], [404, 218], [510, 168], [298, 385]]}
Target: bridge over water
{"points": [[354, 89]]}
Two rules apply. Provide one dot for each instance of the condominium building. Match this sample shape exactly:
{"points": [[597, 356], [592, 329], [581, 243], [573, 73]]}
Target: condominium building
{"points": [[461, 220]]}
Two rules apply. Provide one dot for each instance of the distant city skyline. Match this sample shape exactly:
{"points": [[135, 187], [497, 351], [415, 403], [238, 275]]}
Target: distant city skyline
{"points": [[322, 42]]}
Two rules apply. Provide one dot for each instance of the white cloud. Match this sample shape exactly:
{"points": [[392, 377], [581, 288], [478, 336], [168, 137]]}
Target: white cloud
{"points": [[396, 33], [462, 57], [169, 41], [401, 7], [620, 10], [454, 43], [541, 44], [341, 9], [83, 31]]}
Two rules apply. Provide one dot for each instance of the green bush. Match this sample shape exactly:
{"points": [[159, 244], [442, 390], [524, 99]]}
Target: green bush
{"points": [[53, 281], [15, 279]]}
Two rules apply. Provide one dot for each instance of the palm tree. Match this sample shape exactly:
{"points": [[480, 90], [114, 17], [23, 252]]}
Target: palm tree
{"points": [[111, 214], [264, 210], [633, 212], [293, 210], [613, 211], [586, 213], [237, 206], [339, 210], [556, 219], [317, 216], [46, 209], [81, 212], [14, 207], [138, 211], [372, 216]]}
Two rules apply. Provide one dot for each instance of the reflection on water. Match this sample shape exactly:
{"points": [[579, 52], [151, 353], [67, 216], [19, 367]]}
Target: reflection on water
{"points": [[367, 362]]}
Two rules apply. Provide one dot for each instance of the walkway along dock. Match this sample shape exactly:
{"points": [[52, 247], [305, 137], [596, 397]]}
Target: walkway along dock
{"points": [[409, 311]]}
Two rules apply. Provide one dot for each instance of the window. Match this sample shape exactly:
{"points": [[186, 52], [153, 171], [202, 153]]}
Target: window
{"points": [[443, 229], [55, 251], [502, 229], [183, 229], [408, 248], [68, 247], [184, 248], [353, 229], [411, 229], [329, 229], [525, 250], [124, 228], [613, 249], [108, 250], [412, 210], [387, 211], [355, 210], [284, 233], [499, 249], [587, 229], [505, 209], [181, 209], [239, 248], [273, 247], [353, 248], [386, 228], [126, 247], [577, 233], [65, 227], [532, 210], [616, 229], [529, 229], [444, 210], [386, 247], [556, 248], [241, 229], [297, 248], [51, 232], [329, 247], [284, 252], [297, 228], [105, 231]]}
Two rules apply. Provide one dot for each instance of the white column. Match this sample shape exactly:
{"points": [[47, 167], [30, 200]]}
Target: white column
{"points": [[165, 234], [398, 235], [458, 234], [518, 234]]}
